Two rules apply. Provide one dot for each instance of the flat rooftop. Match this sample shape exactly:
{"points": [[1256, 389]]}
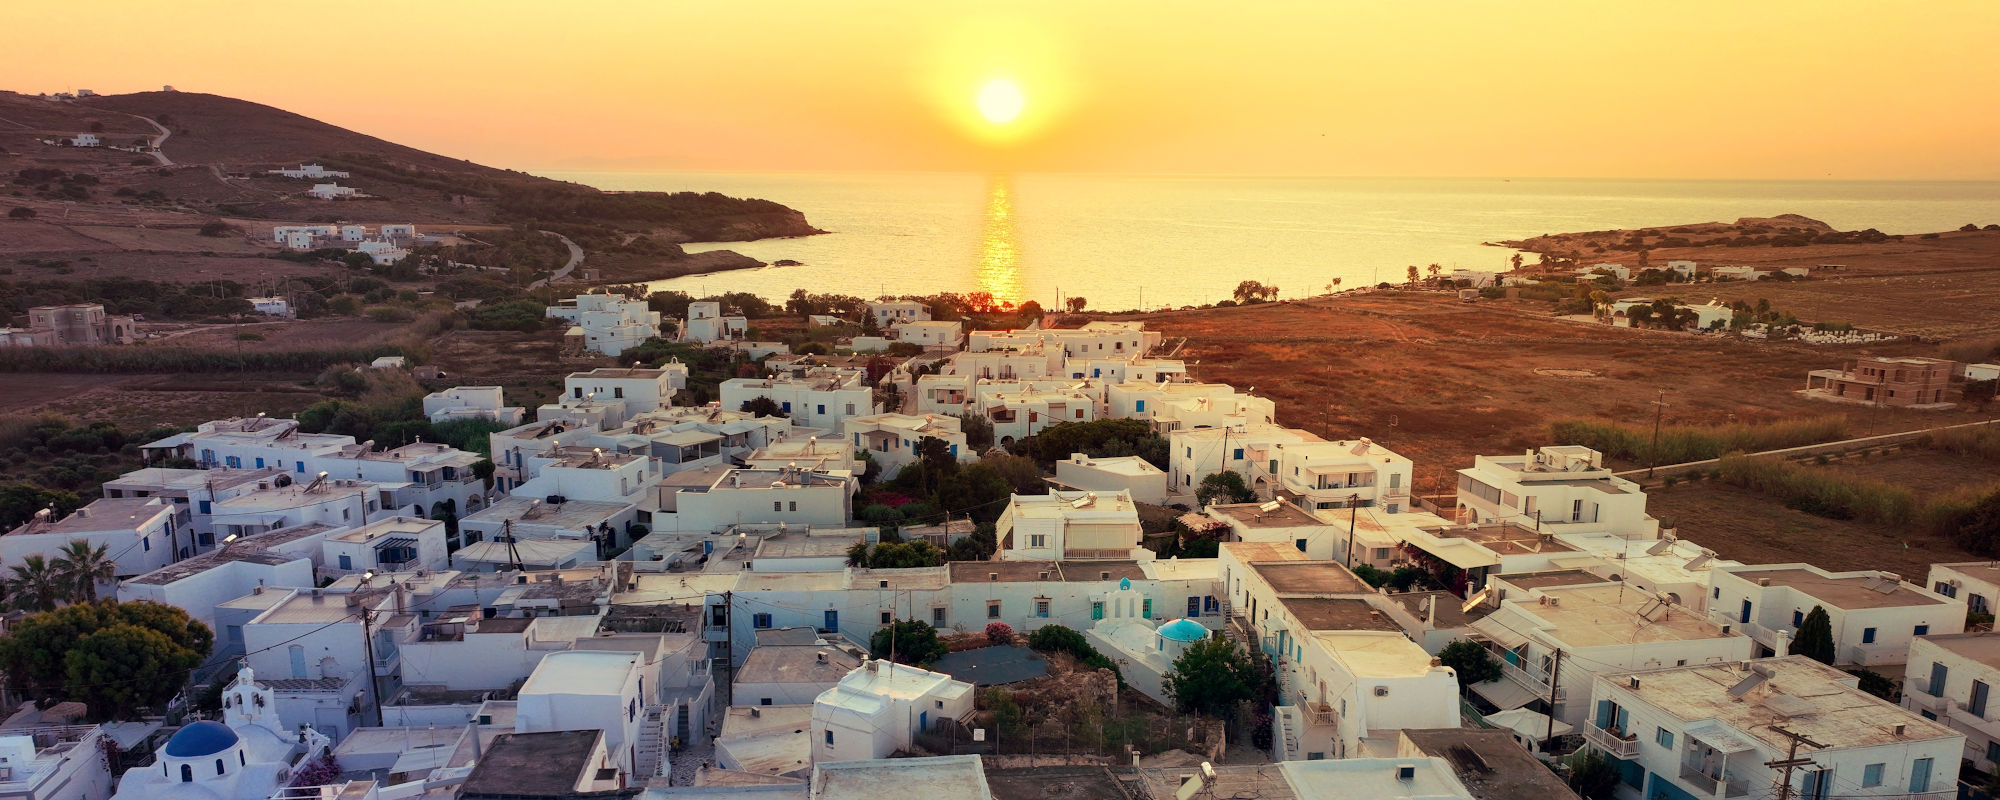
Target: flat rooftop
{"points": [[1254, 515], [1017, 571], [802, 546], [170, 479], [304, 607], [1802, 695], [411, 526], [1255, 552], [250, 549], [569, 516], [106, 514], [547, 764], [795, 664], [1981, 647], [1258, 781], [1550, 579], [1450, 609], [901, 779], [1129, 466], [581, 672], [1504, 538], [1314, 577], [1338, 614], [1849, 592], [1588, 616], [1491, 764], [1376, 654], [1057, 505]]}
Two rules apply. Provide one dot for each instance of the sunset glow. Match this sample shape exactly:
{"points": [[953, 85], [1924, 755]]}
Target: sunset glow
{"points": [[1535, 88]]}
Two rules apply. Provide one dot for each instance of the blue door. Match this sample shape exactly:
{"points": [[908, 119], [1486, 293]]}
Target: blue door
{"points": [[924, 721], [1920, 776], [833, 621], [1938, 675], [1745, 618]]}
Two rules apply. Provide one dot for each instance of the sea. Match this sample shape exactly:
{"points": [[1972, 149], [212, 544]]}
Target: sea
{"points": [[1127, 241]]}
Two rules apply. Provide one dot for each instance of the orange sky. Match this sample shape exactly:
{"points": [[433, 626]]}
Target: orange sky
{"points": [[1318, 87]]}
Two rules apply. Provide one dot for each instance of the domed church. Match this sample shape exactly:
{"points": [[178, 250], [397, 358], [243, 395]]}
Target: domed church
{"points": [[247, 756]]}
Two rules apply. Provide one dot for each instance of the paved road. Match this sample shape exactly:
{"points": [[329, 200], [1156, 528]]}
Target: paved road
{"points": [[1810, 449], [158, 141], [575, 258]]}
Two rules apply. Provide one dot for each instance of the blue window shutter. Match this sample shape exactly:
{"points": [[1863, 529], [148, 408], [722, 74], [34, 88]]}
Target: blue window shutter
{"points": [[1603, 714], [1141, 406]]}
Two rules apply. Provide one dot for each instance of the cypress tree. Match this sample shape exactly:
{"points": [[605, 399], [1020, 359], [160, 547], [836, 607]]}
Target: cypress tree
{"points": [[1815, 637]]}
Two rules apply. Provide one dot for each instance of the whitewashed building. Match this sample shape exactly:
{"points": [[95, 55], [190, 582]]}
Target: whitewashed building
{"points": [[138, 534], [1875, 614], [877, 708], [821, 398], [706, 323], [1564, 489], [472, 402], [1131, 475], [608, 323], [895, 441], [1064, 526], [889, 312]]}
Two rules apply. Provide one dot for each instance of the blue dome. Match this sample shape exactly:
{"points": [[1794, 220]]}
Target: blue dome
{"points": [[1180, 630], [203, 738], [1124, 583]]}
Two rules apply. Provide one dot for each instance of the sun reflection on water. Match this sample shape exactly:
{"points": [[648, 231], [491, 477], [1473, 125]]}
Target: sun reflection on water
{"points": [[999, 245]]}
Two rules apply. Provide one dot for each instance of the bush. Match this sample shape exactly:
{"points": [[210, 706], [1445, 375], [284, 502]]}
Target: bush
{"points": [[907, 641], [1681, 443], [1472, 663], [21, 212], [1821, 494], [999, 633]]}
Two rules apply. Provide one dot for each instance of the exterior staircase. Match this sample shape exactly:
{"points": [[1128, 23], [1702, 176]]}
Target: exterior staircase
{"points": [[651, 756]]}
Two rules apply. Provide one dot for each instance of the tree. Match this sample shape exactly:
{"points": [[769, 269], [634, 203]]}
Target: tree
{"points": [[1516, 261], [1413, 274], [907, 641], [21, 212], [1815, 637], [978, 431], [1223, 487], [1076, 304], [763, 407], [113, 656], [1591, 775], [1211, 676], [1434, 270], [216, 229], [1472, 662], [82, 567], [35, 585], [1248, 290], [1979, 393]]}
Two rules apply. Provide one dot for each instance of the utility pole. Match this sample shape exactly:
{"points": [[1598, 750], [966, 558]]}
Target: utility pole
{"points": [[1659, 410], [368, 647], [1791, 760], [1353, 507], [1555, 680]]}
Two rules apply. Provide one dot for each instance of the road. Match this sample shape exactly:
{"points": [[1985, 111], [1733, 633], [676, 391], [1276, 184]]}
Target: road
{"points": [[159, 141], [1808, 449], [575, 258]]}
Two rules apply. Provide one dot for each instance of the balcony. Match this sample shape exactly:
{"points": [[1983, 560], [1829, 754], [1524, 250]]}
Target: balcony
{"points": [[1536, 682], [1866, 655], [1611, 742], [1737, 787], [1318, 713], [1962, 718]]}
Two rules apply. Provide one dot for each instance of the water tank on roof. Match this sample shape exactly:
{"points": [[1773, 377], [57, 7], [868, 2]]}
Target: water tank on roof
{"points": [[556, 500]]}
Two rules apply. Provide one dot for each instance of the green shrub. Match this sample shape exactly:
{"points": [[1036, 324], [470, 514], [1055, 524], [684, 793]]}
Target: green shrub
{"points": [[1820, 493], [1680, 444]]}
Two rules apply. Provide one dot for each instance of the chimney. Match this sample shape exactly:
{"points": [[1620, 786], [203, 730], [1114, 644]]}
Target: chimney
{"points": [[822, 656], [1763, 581], [1899, 731]]}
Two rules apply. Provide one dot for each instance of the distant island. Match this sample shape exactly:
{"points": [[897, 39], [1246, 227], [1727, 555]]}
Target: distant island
{"points": [[1778, 241]]}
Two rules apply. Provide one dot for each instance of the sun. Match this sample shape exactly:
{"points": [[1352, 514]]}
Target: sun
{"points": [[1000, 101]]}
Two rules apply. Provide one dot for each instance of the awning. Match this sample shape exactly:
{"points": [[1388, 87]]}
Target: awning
{"points": [[1505, 694], [422, 759], [1498, 633], [1460, 553], [1530, 724], [387, 542], [1719, 736]]}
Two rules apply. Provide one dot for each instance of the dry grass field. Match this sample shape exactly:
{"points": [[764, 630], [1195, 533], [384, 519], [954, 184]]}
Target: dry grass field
{"points": [[1756, 529], [1441, 381]]}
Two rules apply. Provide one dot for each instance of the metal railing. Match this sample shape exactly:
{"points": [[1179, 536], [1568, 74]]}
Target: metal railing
{"points": [[1537, 682], [1611, 742], [1737, 787], [1318, 713]]}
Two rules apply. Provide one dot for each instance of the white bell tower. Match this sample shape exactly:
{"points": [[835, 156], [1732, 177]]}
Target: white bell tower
{"points": [[246, 703]]}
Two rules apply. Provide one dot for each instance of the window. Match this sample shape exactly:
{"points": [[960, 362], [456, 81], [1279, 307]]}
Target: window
{"points": [[1922, 629], [821, 407], [187, 773], [1867, 634], [1239, 454], [218, 766], [1977, 703], [792, 505], [1716, 593], [993, 609], [777, 505], [1381, 554], [764, 701], [1871, 775], [1041, 607], [850, 409], [1038, 540], [618, 392], [760, 621], [1945, 589], [1798, 617], [1993, 751], [829, 738], [1664, 738], [937, 617], [1300, 544], [886, 618], [146, 542]]}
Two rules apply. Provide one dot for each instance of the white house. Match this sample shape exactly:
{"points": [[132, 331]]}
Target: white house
{"points": [[821, 398], [628, 391], [1333, 475], [282, 558], [472, 402], [271, 306], [766, 498], [878, 707], [933, 336], [1195, 454], [1615, 270], [812, 453], [396, 544], [41, 763], [1982, 372], [1950, 679], [1145, 652], [1684, 269], [1281, 522], [1875, 614], [1736, 273], [1019, 415], [331, 191], [381, 252], [890, 312], [588, 690], [1062, 526], [608, 323], [1127, 369], [353, 233], [1564, 489], [706, 323], [895, 441], [138, 534], [791, 675], [308, 171], [1975, 582], [1713, 730], [1596, 629], [85, 140], [1131, 475]]}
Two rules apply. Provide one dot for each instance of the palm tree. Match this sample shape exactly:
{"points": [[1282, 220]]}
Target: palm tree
{"points": [[34, 586], [82, 567]]}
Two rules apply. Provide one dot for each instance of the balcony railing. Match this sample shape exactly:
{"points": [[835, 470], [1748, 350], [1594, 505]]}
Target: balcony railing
{"points": [[1961, 717], [1696, 778], [1318, 713], [1612, 742], [1872, 654], [1536, 682]]}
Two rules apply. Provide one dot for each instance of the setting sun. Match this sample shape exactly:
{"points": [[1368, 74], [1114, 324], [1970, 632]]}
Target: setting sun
{"points": [[1001, 101]]}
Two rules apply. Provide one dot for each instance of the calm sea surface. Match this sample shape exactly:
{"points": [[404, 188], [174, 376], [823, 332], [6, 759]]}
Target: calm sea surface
{"points": [[1119, 241]]}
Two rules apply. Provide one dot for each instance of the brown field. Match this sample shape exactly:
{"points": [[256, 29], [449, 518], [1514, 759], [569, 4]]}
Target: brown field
{"points": [[291, 334], [1935, 305], [1756, 529], [1441, 381], [524, 364]]}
